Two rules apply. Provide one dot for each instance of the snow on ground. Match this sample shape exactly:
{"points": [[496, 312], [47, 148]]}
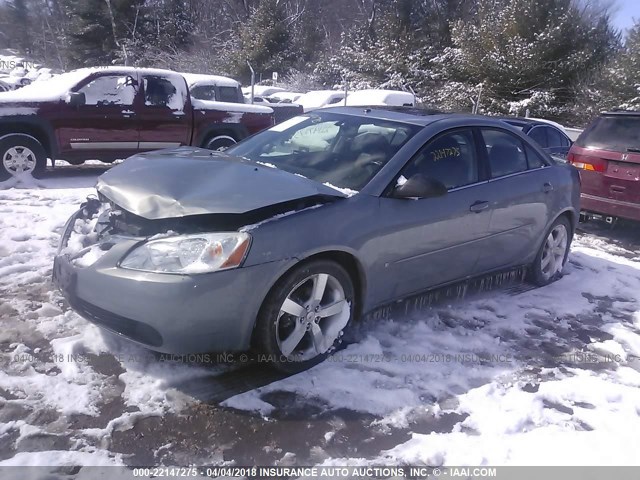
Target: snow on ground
{"points": [[549, 376], [513, 376]]}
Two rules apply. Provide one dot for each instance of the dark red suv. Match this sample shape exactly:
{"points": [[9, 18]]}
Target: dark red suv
{"points": [[608, 156]]}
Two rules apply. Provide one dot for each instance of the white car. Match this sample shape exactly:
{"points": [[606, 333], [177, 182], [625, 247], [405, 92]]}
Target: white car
{"points": [[261, 90], [377, 97], [320, 98], [285, 97], [13, 82]]}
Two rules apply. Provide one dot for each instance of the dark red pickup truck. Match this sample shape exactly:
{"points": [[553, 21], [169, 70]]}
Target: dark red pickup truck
{"points": [[113, 112]]}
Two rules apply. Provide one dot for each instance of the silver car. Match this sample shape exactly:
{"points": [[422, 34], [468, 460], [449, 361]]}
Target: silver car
{"points": [[283, 241]]}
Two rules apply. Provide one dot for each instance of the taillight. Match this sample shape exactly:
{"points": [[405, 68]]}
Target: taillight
{"points": [[585, 162]]}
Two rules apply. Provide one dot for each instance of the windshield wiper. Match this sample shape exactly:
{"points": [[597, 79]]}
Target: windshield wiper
{"points": [[633, 149]]}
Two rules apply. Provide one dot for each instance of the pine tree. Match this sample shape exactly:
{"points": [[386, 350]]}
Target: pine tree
{"points": [[265, 40], [622, 78], [526, 53], [99, 30]]}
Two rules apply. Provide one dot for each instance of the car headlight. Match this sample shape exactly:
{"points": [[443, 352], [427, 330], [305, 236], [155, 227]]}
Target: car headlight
{"points": [[187, 254]]}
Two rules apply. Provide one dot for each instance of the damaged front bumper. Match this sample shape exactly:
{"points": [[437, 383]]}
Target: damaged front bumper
{"points": [[169, 313]]}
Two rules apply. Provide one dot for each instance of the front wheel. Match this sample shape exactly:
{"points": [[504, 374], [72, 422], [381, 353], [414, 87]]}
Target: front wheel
{"points": [[550, 260], [219, 143], [304, 316], [20, 154]]}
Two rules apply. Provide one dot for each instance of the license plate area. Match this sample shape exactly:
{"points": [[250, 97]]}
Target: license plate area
{"points": [[624, 171]]}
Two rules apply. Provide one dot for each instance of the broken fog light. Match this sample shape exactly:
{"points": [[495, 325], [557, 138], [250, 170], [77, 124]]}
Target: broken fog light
{"points": [[187, 254]]}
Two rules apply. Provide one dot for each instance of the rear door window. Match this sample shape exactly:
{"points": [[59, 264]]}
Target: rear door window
{"points": [[534, 160], [229, 94], [539, 134], [612, 132], [164, 91], [204, 92], [554, 137], [505, 151]]}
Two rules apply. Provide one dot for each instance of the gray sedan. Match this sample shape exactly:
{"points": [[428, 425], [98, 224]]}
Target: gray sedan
{"points": [[284, 240]]}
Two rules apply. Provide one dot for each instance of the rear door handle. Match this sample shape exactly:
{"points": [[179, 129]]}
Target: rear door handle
{"points": [[547, 187], [479, 206], [617, 189]]}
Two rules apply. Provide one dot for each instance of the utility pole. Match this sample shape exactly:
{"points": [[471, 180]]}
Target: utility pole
{"points": [[253, 80], [476, 104], [346, 90]]}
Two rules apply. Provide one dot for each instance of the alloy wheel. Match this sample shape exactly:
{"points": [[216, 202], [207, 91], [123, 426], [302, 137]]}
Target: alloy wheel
{"points": [[554, 252], [19, 159], [312, 317]]}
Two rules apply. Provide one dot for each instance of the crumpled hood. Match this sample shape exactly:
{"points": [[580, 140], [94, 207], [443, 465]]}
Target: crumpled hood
{"points": [[190, 181]]}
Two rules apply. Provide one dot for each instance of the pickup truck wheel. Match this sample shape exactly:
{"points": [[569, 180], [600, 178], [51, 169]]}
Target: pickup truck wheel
{"points": [[219, 142], [21, 154]]}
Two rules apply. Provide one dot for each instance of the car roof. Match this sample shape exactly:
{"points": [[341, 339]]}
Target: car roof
{"points": [[194, 79], [622, 112], [522, 121], [412, 115], [121, 69]]}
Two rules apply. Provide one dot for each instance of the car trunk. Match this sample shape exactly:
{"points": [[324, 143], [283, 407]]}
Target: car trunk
{"points": [[608, 156]]}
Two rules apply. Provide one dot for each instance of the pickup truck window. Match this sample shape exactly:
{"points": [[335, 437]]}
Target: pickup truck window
{"points": [[109, 90], [162, 92], [229, 94], [204, 92]]}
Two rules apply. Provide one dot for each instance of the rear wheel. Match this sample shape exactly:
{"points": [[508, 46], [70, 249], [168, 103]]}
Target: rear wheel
{"points": [[219, 142], [305, 315], [20, 154], [548, 265]]}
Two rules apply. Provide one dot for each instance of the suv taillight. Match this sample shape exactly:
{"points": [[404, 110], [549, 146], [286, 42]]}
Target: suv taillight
{"points": [[585, 162]]}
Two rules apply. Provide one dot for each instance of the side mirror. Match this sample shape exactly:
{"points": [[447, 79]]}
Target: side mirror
{"points": [[76, 99], [420, 186]]}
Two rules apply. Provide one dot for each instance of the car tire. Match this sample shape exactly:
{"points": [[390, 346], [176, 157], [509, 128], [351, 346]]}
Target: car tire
{"points": [[552, 256], [295, 329], [219, 143], [21, 153]]}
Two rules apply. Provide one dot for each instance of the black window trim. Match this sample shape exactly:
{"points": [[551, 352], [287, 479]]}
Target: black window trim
{"points": [[546, 136], [525, 143], [556, 130]]}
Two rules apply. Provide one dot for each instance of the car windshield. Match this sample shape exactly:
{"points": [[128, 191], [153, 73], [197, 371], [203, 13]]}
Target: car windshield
{"points": [[341, 150], [614, 132]]}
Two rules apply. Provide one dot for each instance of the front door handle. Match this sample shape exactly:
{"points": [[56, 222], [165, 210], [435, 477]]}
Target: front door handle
{"points": [[479, 206], [547, 187]]}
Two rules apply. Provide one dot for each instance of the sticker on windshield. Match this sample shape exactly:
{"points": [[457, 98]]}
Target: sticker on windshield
{"points": [[281, 127]]}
